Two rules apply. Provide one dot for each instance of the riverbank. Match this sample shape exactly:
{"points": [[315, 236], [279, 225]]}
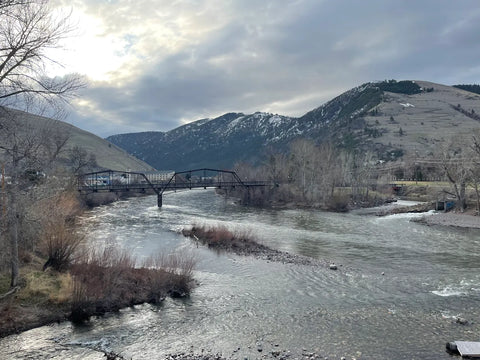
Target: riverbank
{"points": [[16, 318], [275, 353], [462, 220], [466, 219], [104, 282], [41, 298]]}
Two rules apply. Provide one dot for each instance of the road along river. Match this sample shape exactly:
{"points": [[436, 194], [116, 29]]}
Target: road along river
{"points": [[397, 293]]}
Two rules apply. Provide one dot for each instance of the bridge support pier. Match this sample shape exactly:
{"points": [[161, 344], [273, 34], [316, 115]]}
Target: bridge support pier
{"points": [[159, 200]]}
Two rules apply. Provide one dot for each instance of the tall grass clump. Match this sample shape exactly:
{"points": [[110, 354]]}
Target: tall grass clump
{"points": [[60, 242], [101, 282], [221, 238], [108, 279], [173, 272], [59, 238]]}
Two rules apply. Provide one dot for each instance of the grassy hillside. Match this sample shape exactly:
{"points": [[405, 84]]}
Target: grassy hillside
{"points": [[107, 155], [419, 123]]}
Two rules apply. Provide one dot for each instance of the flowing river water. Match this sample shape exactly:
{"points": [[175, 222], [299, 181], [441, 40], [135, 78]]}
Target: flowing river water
{"points": [[397, 293]]}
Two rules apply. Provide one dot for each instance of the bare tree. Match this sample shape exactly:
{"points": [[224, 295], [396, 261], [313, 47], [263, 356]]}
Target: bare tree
{"points": [[28, 29], [81, 161], [475, 168], [364, 175], [277, 167], [302, 156], [6, 5], [316, 170], [455, 164], [26, 150], [329, 170], [310, 174]]}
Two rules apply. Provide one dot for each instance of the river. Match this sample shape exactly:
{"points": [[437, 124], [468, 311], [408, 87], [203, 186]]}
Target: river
{"points": [[396, 295]]}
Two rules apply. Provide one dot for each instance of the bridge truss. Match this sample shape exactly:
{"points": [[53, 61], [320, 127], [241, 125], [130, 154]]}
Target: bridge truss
{"points": [[125, 181]]}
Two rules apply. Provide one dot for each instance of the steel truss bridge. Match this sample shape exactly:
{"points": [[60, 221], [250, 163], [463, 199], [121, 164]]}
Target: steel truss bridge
{"points": [[125, 181]]}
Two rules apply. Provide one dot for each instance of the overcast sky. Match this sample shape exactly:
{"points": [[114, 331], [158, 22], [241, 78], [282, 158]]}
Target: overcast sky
{"points": [[155, 65]]}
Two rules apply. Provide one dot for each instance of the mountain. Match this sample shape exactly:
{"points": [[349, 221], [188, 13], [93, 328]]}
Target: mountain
{"points": [[389, 118], [107, 155], [207, 143]]}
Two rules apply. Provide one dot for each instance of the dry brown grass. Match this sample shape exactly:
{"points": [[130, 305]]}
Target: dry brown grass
{"points": [[173, 272], [108, 280], [59, 239], [221, 238], [46, 287], [43, 298]]}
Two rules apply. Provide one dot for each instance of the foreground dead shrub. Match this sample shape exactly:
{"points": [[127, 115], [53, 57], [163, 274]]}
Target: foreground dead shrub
{"points": [[108, 280], [173, 272], [60, 242], [59, 238]]}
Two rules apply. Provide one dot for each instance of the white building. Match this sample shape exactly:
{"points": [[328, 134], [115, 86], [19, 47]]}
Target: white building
{"points": [[159, 176]]}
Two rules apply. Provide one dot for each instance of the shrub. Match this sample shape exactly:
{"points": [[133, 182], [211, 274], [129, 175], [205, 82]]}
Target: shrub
{"points": [[173, 272], [60, 242], [339, 202], [59, 239], [219, 237], [107, 280], [101, 282]]}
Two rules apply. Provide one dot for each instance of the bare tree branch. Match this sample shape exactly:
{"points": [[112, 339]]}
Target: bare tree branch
{"points": [[27, 30]]}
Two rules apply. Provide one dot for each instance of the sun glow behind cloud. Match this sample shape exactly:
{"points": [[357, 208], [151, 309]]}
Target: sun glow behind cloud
{"points": [[115, 41], [90, 50]]}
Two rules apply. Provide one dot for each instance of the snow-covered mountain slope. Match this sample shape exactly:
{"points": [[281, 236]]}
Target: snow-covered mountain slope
{"points": [[388, 118]]}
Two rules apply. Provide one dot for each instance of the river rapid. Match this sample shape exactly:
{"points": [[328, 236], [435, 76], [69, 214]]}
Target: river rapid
{"points": [[398, 290]]}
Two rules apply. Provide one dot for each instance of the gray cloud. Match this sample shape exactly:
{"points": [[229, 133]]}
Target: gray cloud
{"points": [[282, 56]]}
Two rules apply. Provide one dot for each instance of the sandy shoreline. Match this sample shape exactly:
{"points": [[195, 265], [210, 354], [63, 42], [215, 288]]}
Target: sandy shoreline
{"points": [[430, 218], [451, 219]]}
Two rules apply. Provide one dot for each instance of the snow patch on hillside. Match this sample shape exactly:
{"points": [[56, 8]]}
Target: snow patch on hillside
{"points": [[276, 120], [234, 124]]}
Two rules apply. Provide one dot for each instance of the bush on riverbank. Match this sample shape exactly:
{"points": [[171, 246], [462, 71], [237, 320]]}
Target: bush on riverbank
{"points": [[98, 282], [108, 280], [60, 242]]}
